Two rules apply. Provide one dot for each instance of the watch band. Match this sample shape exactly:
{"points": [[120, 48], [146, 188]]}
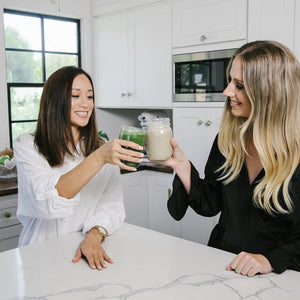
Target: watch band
{"points": [[101, 230]]}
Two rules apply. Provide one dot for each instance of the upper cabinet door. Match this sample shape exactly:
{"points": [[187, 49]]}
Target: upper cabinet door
{"points": [[133, 58], [197, 22], [297, 30], [150, 56], [110, 59], [272, 20]]}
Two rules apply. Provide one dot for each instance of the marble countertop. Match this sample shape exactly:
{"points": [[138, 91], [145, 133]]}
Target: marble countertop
{"points": [[147, 265]]}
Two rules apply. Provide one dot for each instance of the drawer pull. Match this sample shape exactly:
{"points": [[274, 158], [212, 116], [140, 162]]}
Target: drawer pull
{"points": [[203, 38], [7, 214]]}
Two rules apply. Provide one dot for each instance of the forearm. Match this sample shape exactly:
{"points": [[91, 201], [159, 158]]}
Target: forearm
{"points": [[285, 257], [109, 211], [183, 170], [72, 182]]}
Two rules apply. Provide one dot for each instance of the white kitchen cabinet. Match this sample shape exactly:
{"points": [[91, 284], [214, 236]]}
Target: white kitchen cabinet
{"points": [[135, 198], [101, 7], [159, 191], [10, 227], [133, 58], [272, 20], [145, 198], [199, 22], [297, 30], [195, 130]]}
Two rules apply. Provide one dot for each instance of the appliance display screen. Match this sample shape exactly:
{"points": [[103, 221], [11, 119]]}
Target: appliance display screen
{"points": [[203, 76]]}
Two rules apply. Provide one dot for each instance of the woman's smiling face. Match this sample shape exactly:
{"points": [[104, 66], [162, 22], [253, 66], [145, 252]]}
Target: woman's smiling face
{"points": [[82, 101], [235, 90]]}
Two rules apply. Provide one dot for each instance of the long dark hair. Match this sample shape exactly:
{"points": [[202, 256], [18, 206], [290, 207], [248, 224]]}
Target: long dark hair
{"points": [[53, 135]]}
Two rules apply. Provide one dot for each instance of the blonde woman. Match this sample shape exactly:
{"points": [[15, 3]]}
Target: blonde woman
{"points": [[252, 175]]}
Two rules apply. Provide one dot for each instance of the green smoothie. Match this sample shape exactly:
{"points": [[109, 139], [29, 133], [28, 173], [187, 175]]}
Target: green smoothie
{"points": [[136, 135]]}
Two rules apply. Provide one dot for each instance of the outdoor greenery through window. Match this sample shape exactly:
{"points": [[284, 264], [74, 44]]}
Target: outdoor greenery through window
{"points": [[36, 45]]}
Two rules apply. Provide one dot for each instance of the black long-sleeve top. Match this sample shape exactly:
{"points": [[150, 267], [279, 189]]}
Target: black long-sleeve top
{"points": [[242, 226]]}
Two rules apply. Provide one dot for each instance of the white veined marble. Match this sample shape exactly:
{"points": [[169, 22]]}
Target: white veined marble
{"points": [[147, 265]]}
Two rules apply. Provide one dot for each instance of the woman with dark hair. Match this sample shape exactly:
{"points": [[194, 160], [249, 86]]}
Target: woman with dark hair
{"points": [[69, 178], [252, 176]]}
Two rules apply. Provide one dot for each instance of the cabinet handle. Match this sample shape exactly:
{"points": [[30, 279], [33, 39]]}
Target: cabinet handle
{"points": [[169, 193], [208, 123], [7, 214], [200, 122], [203, 38], [128, 94]]}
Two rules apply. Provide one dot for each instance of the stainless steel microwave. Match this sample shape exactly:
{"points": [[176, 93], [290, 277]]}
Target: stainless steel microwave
{"points": [[200, 76]]}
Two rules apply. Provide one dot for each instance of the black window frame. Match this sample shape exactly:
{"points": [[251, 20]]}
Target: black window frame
{"points": [[43, 52]]}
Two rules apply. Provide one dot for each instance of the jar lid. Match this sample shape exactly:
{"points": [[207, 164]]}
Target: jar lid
{"points": [[159, 122]]}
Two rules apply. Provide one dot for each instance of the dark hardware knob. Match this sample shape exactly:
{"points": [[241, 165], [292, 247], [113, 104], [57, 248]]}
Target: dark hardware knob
{"points": [[7, 214]]}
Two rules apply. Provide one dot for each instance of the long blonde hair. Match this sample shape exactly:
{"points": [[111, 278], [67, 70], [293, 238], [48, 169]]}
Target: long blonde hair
{"points": [[271, 76]]}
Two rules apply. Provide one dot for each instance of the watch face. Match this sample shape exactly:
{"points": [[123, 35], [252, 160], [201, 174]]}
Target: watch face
{"points": [[102, 231]]}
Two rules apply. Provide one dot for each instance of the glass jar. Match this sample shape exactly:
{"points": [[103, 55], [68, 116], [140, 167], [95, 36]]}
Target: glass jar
{"points": [[136, 135], [158, 139]]}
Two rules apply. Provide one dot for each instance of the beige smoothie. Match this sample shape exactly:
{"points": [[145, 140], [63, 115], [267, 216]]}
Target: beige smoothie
{"points": [[158, 139]]}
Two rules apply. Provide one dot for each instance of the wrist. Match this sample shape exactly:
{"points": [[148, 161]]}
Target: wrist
{"points": [[99, 231], [99, 157], [183, 167]]}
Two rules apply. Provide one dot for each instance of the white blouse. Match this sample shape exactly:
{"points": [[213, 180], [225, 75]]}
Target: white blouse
{"points": [[45, 215]]}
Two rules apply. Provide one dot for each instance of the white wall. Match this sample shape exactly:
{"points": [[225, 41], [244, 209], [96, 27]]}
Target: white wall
{"points": [[77, 9], [111, 120]]}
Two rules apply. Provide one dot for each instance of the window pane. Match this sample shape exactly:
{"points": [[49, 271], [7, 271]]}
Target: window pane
{"points": [[24, 67], [56, 61], [25, 103], [60, 36], [22, 32], [20, 128]]}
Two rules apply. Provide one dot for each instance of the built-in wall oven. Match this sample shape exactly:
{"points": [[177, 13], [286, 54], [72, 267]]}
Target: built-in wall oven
{"points": [[200, 76]]}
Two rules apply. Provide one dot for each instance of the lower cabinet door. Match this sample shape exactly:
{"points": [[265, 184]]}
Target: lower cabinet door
{"points": [[195, 130], [146, 194], [9, 237], [160, 188], [8, 244], [135, 198], [197, 228]]}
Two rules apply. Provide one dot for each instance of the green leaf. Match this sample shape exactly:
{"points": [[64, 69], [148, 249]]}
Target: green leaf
{"points": [[103, 135]]}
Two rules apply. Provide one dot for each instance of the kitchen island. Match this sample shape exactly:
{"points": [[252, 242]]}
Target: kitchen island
{"points": [[147, 265]]}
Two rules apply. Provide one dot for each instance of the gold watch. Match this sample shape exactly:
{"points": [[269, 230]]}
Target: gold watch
{"points": [[102, 231]]}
